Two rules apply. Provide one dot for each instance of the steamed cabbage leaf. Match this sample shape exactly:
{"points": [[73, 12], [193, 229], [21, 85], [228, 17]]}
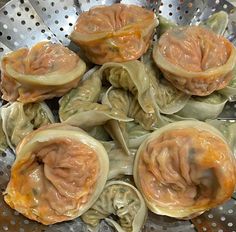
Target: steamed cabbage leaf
{"points": [[203, 108], [122, 200], [19, 119]]}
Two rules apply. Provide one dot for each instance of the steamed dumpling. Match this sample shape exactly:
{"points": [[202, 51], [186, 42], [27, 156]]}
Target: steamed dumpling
{"points": [[115, 33], [58, 174], [20, 119], [184, 169], [195, 60], [45, 71], [123, 200]]}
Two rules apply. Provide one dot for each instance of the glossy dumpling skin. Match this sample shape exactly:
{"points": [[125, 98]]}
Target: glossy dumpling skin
{"points": [[195, 60], [42, 72], [122, 200], [58, 174], [184, 169], [115, 33]]}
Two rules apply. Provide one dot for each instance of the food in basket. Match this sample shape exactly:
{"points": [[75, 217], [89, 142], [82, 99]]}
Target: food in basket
{"points": [[80, 106], [58, 174], [115, 33], [217, 22], [60, 171], [195, 60], [210, 107], [131, 76], [184, 169], [19, 119], [45, 71], [123, 200]]}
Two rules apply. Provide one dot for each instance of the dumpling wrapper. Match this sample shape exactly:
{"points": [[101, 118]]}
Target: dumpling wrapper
{"points": [[115, 33], [195, 60], [45, 71], [58, 174], [230, 90], [123, 200], [203, 108], [184, 169], [20, 119], [130, 76], [217, 22], [80, 106]]}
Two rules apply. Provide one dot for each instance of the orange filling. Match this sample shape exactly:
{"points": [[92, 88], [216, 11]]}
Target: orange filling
{"points": [[57, 179], [42, 59], [113, 18], [194, 48], [187, 168], [114, 33]]}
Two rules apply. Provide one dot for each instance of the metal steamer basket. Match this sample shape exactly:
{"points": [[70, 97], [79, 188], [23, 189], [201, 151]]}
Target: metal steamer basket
{"points": [[26, 22]]}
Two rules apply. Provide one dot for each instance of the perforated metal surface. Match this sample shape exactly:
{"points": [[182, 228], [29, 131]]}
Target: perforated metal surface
{"points": [[25, 22]]}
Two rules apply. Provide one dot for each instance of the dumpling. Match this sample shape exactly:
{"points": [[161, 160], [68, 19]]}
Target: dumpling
{"points": [[115, 33], [80, 106], [3, 140], [184, 169], [20, 119], [45, 71], [130, 76], [203, 108], [58, 174], [217, 22], [123, 200], [195, 60]]}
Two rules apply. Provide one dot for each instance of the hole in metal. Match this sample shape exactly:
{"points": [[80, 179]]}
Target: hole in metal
{"points": [[222, 219]]}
